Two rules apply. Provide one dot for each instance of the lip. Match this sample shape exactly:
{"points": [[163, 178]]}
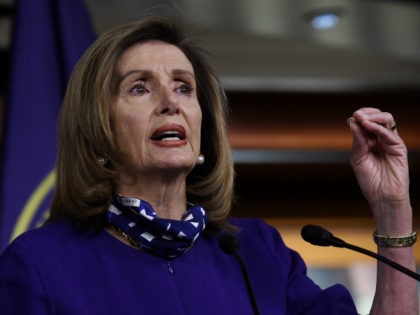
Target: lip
{"points": [[170, 143]]}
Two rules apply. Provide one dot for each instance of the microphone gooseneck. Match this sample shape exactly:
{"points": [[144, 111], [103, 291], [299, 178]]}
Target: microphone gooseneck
{"points": [[230, 245], [319, 236]]}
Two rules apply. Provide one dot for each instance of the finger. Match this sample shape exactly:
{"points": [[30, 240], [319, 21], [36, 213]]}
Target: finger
{"points": [[376, 132], [383, 119], [369, 110], [375, 115], [366, 136], [358, 132]]}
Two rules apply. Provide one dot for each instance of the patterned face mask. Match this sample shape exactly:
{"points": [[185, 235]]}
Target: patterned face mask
{"points": [[166, 238]]}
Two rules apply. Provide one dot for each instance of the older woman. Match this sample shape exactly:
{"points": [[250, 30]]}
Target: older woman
{"points": [[144, 189]]}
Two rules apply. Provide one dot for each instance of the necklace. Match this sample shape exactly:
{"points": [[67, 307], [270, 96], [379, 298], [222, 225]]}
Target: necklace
{"points": [[127, 237]]}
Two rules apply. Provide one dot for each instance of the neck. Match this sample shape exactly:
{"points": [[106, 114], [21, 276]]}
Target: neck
{"points": [[166, 194]]}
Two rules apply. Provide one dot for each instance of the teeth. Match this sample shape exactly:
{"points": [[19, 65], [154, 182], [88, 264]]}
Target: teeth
{"points": [[170, 139], [170, 135]]}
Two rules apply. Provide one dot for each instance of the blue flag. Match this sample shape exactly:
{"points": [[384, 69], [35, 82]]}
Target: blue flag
{"points": [[49, 37]]}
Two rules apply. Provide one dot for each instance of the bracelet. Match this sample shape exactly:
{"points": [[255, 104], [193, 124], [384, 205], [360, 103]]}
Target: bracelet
{"points": [[394, 241]]}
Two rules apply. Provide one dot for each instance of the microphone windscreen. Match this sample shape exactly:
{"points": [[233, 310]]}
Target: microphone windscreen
{"points": [[316, 235], [228, 243]]}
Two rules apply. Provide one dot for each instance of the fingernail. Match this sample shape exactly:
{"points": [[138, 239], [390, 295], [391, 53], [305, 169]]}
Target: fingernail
{"points": [[363, 114]]}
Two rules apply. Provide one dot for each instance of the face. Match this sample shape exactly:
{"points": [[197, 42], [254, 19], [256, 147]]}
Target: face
{"points": [[156, 114]]}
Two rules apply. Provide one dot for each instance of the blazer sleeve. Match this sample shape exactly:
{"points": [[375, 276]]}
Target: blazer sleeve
{"points": [[303, 296], [22, 289]]}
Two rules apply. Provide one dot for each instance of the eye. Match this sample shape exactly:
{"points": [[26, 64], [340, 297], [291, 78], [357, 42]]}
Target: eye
{"points": [[138, 89], [185, 89]]}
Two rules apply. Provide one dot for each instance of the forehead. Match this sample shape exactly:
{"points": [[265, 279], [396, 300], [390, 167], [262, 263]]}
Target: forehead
{"points": [[152, 55]]}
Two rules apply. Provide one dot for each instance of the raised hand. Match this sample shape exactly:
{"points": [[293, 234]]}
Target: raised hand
{"points": [[379, 160]]}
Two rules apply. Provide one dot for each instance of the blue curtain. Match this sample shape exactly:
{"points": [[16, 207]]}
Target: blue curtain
{"points": [[49, 36]]}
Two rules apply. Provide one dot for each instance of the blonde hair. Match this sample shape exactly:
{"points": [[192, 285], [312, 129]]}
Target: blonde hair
{"points": [[85, 186]]}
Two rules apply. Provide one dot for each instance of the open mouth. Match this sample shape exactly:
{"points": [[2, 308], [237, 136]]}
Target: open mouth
{"points": [[169, 133]]}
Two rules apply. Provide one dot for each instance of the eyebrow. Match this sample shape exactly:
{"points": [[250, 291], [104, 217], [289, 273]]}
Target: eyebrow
{"points": [[149, 74]]}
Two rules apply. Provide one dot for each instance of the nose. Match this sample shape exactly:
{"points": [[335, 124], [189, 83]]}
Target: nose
{"points": [[168, 103]]}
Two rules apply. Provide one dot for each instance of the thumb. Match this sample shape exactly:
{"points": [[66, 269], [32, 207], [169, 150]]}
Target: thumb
{"points": [[357, 132]]}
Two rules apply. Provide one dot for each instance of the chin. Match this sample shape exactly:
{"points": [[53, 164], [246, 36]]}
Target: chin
{"points": [[177, 164]]}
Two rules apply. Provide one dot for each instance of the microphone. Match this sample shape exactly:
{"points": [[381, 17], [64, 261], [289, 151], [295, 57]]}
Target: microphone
{"points": [[230, 245], [317, 235]]}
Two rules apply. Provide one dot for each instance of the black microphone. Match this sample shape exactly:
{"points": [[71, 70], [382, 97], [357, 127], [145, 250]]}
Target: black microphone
{"points": [[230, 245], [317, 235]]}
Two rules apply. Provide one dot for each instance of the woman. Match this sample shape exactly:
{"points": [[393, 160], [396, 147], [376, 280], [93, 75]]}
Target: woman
{"points": [[144, 189]]}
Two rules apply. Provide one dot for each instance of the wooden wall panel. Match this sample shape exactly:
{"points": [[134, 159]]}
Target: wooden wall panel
{"points": [[314, 121]]}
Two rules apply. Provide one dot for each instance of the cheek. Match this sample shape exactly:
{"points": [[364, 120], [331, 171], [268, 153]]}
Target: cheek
{"points": [[130, 131], [197, 125]]}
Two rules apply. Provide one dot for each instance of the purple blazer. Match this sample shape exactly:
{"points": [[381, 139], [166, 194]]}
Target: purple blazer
{"points": [[60, 269]]}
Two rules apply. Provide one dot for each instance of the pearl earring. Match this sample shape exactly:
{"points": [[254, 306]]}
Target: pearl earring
{"points": [[200, 159], [102, 161]]}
